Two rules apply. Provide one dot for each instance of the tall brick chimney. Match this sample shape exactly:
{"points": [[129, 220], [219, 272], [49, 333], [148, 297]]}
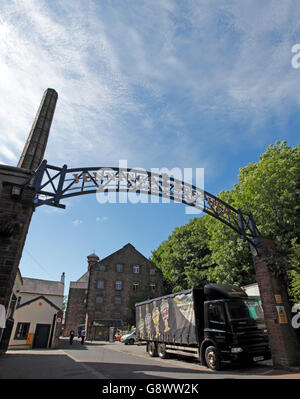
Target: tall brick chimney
{"points": [[33, 152]]}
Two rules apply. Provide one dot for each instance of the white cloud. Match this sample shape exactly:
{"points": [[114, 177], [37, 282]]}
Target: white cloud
{"points": [[130, 92], [101, 218], [77, 222]]}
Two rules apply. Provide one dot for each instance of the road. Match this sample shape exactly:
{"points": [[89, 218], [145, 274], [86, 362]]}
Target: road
{"points": [[118, 361]]}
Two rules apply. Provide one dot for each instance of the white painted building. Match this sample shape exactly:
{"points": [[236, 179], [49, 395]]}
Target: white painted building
{"points": [[38, 313], [52, 290], [35, 324]]}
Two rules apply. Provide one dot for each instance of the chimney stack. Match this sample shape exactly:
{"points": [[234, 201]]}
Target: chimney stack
{"points": [[34, 150]]}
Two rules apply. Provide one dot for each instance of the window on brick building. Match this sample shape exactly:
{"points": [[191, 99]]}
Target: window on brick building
{"points": [[97, 315], [117, 300], [117, 315], [119, 268], [100, 284], [102, 268], [118, 285], [136, 269], [152, 272], [152, 286], [99, 299], [135, 286]]}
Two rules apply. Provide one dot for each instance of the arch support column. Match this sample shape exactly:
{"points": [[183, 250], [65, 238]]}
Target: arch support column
{"points": [[272, 283]]}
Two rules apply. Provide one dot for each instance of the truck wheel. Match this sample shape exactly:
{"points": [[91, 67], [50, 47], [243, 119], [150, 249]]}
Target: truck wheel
{"points": [[212, 358], [161, 350], [152, 349]]}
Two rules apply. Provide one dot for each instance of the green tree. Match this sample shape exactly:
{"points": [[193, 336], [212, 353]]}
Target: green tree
{"points": [[229, 253], [65, 303], [270, 189], [142, 294], [207, 250], [185, 257], [294, 272]]}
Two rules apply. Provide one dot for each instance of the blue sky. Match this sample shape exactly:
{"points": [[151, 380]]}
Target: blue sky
{"points": [[187, 84]]}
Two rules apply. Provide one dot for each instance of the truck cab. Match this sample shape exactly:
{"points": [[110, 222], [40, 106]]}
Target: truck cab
{"points": [[234, 327]]}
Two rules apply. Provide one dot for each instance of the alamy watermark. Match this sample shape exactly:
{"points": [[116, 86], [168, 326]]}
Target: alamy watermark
{"points": [[295, 61], [296, 317], [161, 185]]}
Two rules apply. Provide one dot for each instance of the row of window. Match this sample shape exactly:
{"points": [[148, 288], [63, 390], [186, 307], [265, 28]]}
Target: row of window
{"points": [[119, 285], [120, 268], [99, 315], [117, 300]]}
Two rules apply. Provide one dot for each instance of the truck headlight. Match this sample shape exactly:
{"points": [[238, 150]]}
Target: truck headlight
{"points": [[236, 350]]}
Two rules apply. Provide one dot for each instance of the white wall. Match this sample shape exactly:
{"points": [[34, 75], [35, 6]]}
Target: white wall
{"points": [[56, 299], [37, 312]]}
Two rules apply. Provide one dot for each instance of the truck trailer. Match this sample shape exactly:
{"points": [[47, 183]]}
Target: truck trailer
{"points": [[214, 324]]}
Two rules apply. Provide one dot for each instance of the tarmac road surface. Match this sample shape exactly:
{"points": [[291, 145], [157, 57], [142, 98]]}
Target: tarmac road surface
{"points": [[104, 360]]}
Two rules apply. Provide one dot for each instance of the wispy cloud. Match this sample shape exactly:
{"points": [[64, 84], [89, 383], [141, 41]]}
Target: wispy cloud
{"points": [[101, 218], [77, 222], [131, 92]]}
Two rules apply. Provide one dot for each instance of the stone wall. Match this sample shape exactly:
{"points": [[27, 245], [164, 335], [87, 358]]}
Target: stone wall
{"points": [[76, 309], [105, 311], [15, 216], [271, 278]]}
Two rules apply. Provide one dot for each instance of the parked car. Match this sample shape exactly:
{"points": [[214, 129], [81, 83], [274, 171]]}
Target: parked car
{"points": [[129, 338]]}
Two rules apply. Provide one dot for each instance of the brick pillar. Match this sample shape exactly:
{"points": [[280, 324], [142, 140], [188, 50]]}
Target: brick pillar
{"points": [[271, 278], [92, 260], [15, 216]]}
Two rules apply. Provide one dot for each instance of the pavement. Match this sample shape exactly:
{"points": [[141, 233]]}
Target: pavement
{"points": [[44, 364], [60, 364]]}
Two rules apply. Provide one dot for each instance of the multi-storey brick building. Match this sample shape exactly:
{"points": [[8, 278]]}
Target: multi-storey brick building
{"points": [[76, 307], [101, 297]]}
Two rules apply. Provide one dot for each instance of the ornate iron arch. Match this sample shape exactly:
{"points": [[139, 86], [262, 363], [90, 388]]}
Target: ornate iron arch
{"points": [[52, 184]]}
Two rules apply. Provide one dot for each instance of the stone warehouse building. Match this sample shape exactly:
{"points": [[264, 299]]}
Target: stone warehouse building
{"points": [[100, 298]]}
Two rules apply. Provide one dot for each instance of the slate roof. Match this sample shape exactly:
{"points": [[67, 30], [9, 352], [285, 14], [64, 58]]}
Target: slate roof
{"points": [[42, 287]]}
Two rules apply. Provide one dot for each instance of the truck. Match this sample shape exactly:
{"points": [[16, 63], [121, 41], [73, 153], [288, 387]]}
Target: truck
{"points": [[217, 323]]}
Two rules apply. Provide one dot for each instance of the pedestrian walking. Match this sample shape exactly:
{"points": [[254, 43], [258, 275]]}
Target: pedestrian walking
{"points": [[82, 336], [72, 334]]}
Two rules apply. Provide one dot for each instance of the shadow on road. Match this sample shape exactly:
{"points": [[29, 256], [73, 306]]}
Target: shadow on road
{"points": [[40, 366], [52, 366]]}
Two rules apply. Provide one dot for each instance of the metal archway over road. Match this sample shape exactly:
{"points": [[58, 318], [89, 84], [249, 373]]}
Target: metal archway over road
{"points": [[52, 184], [34, 183]]}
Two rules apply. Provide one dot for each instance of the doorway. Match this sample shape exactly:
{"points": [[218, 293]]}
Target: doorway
{"points": [[41, 336]]}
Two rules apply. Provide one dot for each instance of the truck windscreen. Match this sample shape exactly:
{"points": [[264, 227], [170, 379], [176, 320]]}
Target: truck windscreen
{"points": [[245, 309]]}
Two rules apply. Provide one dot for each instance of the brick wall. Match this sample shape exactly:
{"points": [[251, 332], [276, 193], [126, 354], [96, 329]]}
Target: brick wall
{"points": [[17, 214], [76, 310], [282, 337], [105, 311]]}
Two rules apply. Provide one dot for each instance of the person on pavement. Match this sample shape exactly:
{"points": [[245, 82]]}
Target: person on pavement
{"points": [[82, 336], [72, 333]]}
